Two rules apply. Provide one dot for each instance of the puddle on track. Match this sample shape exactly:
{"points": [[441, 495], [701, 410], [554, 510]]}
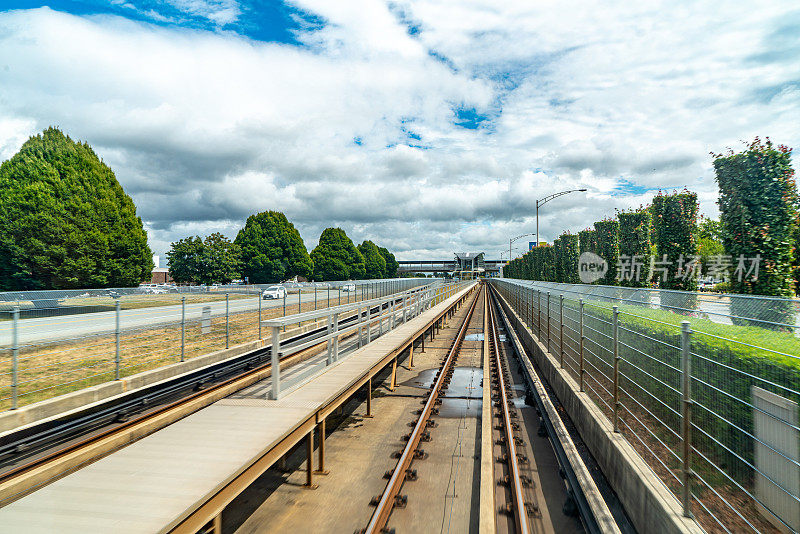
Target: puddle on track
{"points": [[457, 408], [466, 382]]}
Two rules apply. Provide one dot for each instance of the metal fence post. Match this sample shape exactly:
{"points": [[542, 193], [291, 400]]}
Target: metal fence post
{"points": [[315, 296], [14, 357], [561, 329], [227, 321], [339, 289], [539, 313], [183, 327], [116, 340], [686, 376], [548, 321], [259, 318], [580, 366], [615, 325]]}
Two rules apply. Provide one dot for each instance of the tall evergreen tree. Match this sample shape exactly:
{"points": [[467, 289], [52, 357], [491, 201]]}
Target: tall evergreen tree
{"points": [[272, 249], [336, 257], [65, 221], [214, 259], [391, 263], [374, 264]]}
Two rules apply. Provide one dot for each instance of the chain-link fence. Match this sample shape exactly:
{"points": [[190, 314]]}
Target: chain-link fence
{"points": [[109, 334], [704, 387]]}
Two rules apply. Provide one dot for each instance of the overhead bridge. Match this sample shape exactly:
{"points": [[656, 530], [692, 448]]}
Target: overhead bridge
{"points": [[439, 266]]}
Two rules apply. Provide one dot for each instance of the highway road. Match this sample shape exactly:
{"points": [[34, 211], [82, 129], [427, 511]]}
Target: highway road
{"points": [[66, 327]]}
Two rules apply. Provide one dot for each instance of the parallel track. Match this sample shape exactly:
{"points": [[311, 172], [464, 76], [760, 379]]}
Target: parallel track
{"points": [[515, 482], [391, 494], [54, 441]]}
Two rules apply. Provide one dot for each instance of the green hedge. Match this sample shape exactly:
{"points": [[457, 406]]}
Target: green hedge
{"points": [[607, 237], [634, 240], [587, 241], [675, 222], [569, 258], [758, 212]]}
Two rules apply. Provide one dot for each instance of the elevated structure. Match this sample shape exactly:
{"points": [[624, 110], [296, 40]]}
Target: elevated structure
{"points": [[462, 261]]}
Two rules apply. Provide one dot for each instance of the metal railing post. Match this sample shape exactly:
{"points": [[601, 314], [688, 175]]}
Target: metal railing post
{"points": [[329, 342], [580, 366], [259, 318], [276, 362], [369, 324], [561, 329], [183, 327], [335, 336], [227, 321], [116, 340], [14, 357], [285, 294], [615, 325], [360, 329], [686, 434], [315, 296]]}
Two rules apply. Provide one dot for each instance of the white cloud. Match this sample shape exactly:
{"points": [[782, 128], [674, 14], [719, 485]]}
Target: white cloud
{"points": [[203, 128]]}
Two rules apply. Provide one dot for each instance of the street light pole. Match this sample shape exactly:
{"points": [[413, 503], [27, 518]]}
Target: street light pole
{"points": [[542, 202]]}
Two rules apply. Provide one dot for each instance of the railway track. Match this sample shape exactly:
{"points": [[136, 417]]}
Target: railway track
{"points": [[519, 489], [514, 505]]}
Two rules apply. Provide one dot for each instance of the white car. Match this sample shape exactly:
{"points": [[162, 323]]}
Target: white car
{"points": [[348, 287], [274, 292]]}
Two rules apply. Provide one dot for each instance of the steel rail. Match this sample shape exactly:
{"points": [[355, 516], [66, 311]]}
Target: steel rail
{"points": [[387, 500], [515, 480]]}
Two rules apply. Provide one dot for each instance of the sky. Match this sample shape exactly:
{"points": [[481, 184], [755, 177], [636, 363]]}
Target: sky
{"points": [[426, 126]]}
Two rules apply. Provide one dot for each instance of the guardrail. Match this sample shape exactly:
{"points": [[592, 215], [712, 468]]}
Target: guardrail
{"points": [[393, 310], [711, 405], [41, 357]]}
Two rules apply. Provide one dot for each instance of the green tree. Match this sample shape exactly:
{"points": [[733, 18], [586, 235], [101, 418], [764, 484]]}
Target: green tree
{"points": [[65, 221], [272, 249], [709, 241], [220, 260], [214, 259], [336, 257], [184, 258], [391, 263], [374, 263]]}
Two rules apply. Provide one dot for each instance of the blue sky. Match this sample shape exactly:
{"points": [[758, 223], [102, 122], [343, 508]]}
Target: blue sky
{"points": [[427, 126]]}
